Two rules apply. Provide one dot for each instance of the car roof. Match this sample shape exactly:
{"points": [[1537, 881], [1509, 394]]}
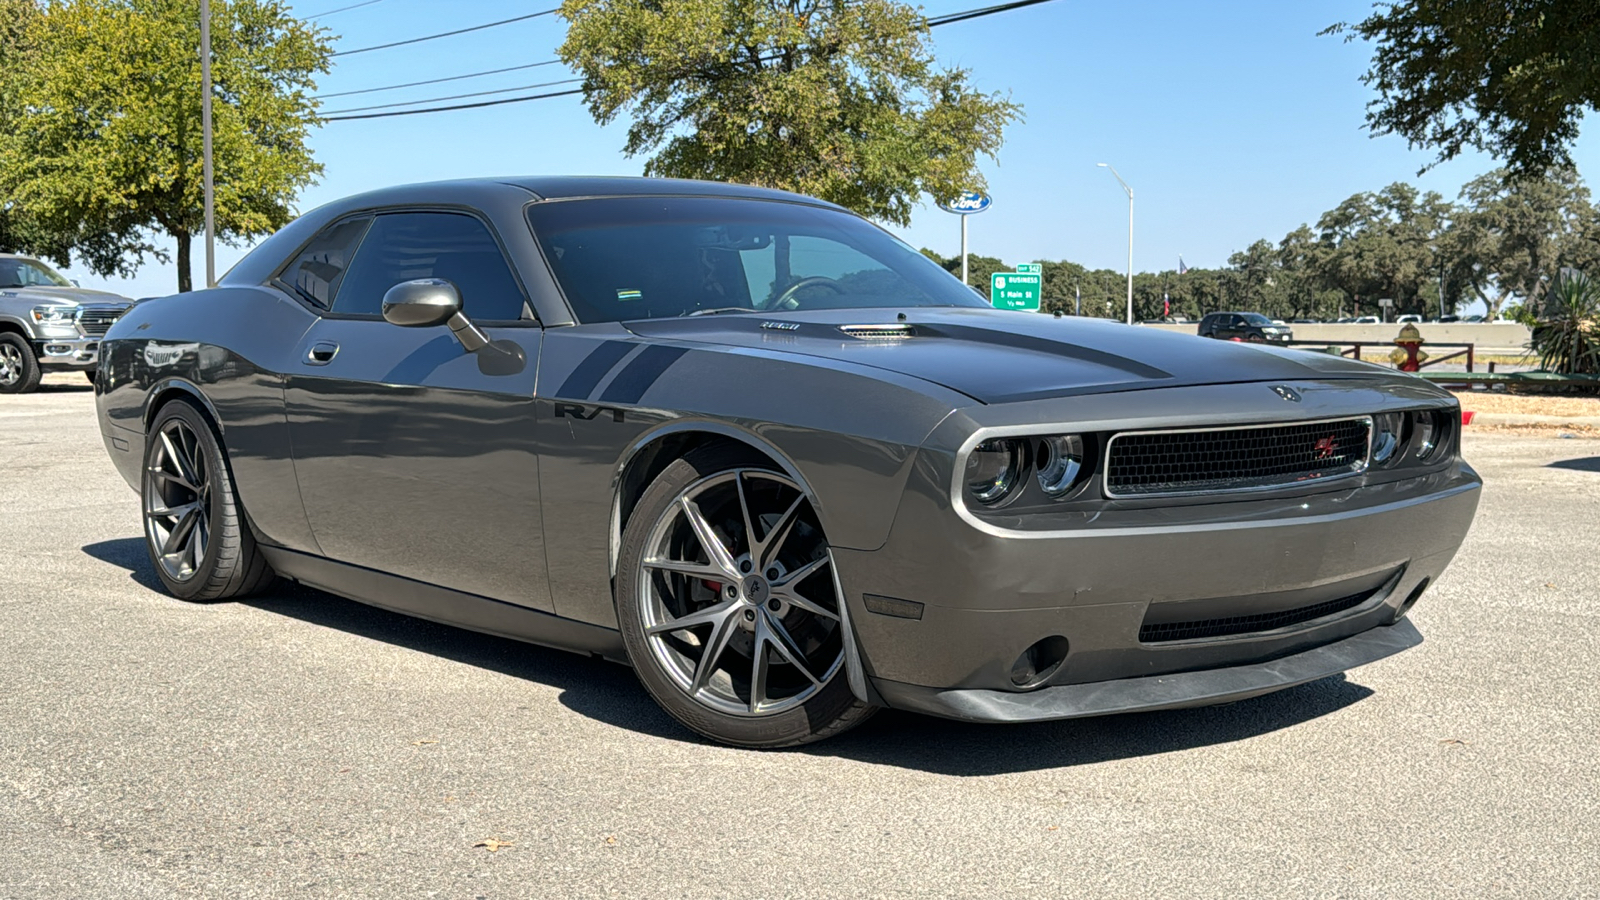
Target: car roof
{"points": [[566, 187]]}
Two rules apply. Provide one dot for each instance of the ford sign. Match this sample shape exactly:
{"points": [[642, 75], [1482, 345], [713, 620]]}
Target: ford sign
{"points": [[967, 204]]}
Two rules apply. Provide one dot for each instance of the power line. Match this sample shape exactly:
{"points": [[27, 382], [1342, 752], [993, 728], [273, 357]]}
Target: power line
{"points": [[948, 19], [339, 10], [520, 87], [952, 18], [434, 109], [396, 87], [432, 37]]}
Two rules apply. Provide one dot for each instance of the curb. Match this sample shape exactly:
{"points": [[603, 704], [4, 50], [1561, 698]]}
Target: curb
{"points": [[1471, 418]]}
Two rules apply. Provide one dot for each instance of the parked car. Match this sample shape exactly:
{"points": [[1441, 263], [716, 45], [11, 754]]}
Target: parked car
{"points": [[1447, 319], [1411, 318], [47, 323], [1305, 321], [1366, 320], [1474, 319], [1244, 326], [787, 468]]}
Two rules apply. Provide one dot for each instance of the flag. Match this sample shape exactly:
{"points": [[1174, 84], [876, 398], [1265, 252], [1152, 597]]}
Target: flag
{"points": [[1166, 305], [1181, 267]]}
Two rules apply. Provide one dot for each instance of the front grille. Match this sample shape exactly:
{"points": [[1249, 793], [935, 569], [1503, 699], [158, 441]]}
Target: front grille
{"points": [[1205, 628], [94, 322], [1154, 463]]}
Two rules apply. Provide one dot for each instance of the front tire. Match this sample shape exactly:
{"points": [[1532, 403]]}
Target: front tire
{"points": [[195, 532], [19, 367], [727, 604]]}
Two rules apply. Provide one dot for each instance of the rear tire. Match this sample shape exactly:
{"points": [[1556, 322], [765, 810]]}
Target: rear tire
{"points": [[195, 531], [723, 555], [19, 367]]}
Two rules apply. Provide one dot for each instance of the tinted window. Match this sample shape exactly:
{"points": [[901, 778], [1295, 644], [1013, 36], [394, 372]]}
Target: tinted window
{"points": [[652, 257], [458, 248], [316, 273], [15, 273], [1256, 319]]}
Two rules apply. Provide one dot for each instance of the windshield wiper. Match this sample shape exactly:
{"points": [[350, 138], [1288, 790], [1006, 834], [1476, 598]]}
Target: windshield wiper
{"points": [[719, 310]]}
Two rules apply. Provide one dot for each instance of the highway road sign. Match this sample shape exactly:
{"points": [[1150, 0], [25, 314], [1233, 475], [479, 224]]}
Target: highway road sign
{"points": [[1015, 290]]}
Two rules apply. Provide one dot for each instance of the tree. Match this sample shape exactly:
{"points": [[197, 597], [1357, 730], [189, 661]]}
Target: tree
{"points": [[1514, 235], [1383, 244], [839, 99], [104, 137], [1510, 77]]}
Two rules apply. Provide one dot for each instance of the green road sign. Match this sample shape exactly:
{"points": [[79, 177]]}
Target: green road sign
{"points": [[1015, 290], [1030, 268]]}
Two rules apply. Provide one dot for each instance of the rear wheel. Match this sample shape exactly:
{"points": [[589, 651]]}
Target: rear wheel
{"points": [[19, 368], [194, 527], [728, 607]]}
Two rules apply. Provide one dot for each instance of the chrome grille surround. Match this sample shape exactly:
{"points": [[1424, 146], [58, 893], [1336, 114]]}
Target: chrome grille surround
{"points": [[1235, 458], [95, 321]]}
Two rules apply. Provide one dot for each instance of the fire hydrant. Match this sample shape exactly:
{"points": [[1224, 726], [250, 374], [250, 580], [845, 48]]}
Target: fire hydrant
{"points": [[1408, 355]]}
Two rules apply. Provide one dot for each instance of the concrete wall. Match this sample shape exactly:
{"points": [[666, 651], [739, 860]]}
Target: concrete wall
{"points": [[1497, 336]]}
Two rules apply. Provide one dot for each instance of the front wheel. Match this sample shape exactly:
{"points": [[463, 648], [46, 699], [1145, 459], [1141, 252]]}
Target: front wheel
{"points": [[19, 367], [727, 604], [194, 527]]}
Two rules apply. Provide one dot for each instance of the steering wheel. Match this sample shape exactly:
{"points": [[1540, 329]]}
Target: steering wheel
{"points": [[786, 301]]}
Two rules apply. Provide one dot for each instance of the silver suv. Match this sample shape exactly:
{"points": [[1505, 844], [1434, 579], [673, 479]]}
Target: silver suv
{"points": [[48, 323]]}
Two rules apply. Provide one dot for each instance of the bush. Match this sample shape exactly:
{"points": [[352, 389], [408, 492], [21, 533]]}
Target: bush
{"points": [[1566, 336]]}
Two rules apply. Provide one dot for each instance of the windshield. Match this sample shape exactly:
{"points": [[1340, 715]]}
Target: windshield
{"points": [[657, 257], [16, 273], [1257, 319]]}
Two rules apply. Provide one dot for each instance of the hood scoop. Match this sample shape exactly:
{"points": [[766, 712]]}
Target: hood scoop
{"points": [[879, 332]]}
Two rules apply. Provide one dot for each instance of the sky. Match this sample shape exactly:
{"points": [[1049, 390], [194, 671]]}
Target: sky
{"points": [[1232, 121]]}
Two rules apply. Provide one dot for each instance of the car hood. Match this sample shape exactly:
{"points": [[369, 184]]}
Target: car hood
{"points": [[998, 356], [64, 296]]}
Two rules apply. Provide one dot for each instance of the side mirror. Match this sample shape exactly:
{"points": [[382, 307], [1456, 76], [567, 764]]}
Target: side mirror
{"points": [[427, 302], [423, 303]]}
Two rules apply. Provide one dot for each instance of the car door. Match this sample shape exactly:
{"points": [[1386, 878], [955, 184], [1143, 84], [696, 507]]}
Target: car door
{"points": [[413, 456]]}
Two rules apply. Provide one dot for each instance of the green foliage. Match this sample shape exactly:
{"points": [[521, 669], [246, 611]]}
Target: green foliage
{"points": [[103, 137], [1382, 244], [1513, 234], [1566, 335], [840, 100], [1511, 77]]}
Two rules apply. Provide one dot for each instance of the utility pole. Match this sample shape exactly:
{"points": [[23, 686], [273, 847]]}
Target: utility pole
{"points": [[1130, 234], [205, 126], [964, 250]]}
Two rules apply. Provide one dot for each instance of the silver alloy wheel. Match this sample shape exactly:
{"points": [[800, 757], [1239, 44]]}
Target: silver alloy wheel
{"points": [[723, 607], [10, 364], [177, 500]]}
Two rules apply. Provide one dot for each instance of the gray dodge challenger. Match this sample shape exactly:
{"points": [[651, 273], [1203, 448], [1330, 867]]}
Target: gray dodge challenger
{"points": [[780, 463]]}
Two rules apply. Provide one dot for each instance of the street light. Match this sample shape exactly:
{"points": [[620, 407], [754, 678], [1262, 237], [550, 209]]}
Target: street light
{"points": [[1130, 235]]}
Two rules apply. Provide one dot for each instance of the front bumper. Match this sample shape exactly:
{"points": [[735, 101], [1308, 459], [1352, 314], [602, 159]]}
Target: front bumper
{"points": [[951, 603], [1203, 688], [68, 352]]}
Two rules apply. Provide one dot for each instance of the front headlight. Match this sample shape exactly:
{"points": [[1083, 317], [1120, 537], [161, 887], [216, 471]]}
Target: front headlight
{"points": [[1059, 462], [1388, 436], [994, 469], [54, 316], [1428, 432]]}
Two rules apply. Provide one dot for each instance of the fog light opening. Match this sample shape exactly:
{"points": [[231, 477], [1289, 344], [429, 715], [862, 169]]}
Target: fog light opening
{"points": [[1416, 594], [1040, 661]]}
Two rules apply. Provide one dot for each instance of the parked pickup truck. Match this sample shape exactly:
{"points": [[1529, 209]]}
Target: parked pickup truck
{"points": [[47, 323]]}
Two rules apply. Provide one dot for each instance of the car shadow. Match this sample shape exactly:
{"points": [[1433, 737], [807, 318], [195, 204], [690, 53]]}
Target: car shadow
{"points": [[65, 388], [609, 693], [1581, 464]]}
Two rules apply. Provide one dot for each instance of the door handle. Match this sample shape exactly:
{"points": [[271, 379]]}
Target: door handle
{"points": [[321, 353]]}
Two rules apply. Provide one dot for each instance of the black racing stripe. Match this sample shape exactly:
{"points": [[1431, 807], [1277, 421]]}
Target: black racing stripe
{"points": [[1052, 348], [594, 367], [636, 378]]}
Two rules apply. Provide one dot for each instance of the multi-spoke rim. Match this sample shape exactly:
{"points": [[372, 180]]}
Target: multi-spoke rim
{"points": [[177, 500], [10, 364], [738, 604]]}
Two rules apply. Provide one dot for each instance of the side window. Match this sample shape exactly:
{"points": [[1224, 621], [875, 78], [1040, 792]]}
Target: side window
{"points": [[317, 272], [453, 246]]}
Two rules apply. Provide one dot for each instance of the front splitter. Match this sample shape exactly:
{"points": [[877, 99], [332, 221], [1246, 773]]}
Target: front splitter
{"points": [[1175, 691]]}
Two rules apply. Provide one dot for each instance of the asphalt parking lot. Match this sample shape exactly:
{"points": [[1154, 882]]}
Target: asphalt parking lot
{"points": [[304, 745]]}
